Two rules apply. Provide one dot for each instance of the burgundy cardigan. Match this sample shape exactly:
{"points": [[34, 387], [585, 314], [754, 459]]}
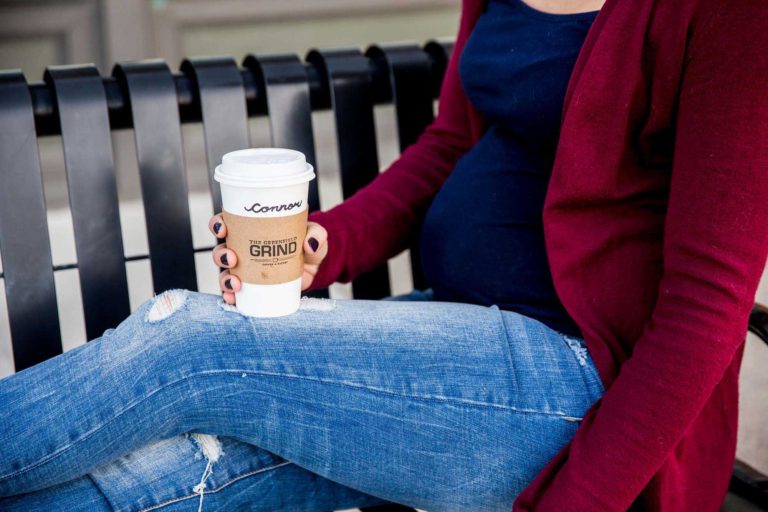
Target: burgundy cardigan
{"points": [[655, 223]]}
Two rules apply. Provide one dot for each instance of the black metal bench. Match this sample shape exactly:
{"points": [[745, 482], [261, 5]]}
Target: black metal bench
{"points": [[82, 106]]}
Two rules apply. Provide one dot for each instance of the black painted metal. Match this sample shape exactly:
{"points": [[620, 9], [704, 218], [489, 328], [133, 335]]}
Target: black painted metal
{"points": [[157, 133], [132, 257], [750, 484], [283, 79], [758, 322], [286, 93], [410, 80], [746, 481], [119, 109], [411, 89], [24, 242], [82, 107], [220, 97], [348, 75], [439, 54]]}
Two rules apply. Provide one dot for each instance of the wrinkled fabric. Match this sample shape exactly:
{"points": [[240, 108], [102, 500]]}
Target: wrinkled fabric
{"points": [[440, 406], [656, 229]]}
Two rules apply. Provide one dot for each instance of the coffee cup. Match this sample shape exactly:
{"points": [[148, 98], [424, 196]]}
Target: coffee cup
{"points": [[264, 197]]}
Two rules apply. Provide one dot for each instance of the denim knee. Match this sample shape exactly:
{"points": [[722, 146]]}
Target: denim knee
{"points": [[153, 326], [156, 309]]}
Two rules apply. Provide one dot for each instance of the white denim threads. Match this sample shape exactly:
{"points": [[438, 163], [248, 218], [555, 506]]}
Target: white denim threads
{"points": [[578, 349], [313, 304], [210, 446], [166, 304]]}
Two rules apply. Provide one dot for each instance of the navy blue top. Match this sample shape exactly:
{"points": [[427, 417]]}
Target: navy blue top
{"points": [[483, 239]]}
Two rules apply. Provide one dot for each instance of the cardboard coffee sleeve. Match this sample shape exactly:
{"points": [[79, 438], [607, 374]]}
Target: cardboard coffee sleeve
{"points": [[270, 250]]}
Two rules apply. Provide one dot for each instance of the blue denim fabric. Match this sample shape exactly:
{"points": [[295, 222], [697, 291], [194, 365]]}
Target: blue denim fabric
{"points": [[440, 406]]}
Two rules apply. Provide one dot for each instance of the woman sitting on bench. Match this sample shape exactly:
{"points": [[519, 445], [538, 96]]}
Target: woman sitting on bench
{"points": [[593, 202]]}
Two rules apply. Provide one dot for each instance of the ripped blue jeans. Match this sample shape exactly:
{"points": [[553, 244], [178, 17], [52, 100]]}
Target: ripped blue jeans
{"points": [[189, 405]]}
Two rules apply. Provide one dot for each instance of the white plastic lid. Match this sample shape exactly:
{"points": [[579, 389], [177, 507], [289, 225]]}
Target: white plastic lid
{"points": [[263, 167]]}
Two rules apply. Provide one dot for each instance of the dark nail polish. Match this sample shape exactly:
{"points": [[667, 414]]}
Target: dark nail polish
{"points": [[224, 260], [228, 284], [217, 227], [314, 244]]}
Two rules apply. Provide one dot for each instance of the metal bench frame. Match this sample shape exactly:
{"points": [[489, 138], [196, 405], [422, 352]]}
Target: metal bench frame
{"points": [[82, 106]]}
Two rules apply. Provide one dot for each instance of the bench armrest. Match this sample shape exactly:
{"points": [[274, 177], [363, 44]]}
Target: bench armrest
{"points": [[746, 481], [750, 484], [758, 321]]}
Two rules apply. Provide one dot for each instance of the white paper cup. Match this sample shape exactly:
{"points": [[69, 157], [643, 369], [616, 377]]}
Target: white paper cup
{"points": [[264, 197]]}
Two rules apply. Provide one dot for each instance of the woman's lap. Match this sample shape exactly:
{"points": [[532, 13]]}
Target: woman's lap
{"points": [[441, 406]]}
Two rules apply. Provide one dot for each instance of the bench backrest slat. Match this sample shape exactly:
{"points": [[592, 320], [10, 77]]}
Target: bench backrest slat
{"points": [[348, 77], [221, 97], [82, 107], [157, 134], [410, 80], [283, 79], [24, 242]]}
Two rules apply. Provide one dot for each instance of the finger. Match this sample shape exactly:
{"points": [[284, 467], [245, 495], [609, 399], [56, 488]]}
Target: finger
{"points": [[229, 298], [315, 244], [224, 257], [215, 252], [229, 282], [308, 276], [217, 227]]}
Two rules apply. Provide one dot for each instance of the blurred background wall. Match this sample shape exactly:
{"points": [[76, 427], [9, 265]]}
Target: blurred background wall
{"points": [[37, 33]]}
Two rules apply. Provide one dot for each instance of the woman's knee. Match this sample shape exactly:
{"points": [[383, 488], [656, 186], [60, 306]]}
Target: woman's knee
{"points": [[159, 322], [173, 306], [183, 323]]}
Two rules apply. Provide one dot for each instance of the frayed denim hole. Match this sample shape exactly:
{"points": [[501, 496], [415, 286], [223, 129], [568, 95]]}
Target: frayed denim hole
{"points": [[315, 304], [210, 448], [592, 377], [166, 304], [578, 349]]}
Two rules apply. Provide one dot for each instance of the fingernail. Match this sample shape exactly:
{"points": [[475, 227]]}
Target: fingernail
{"points": [[224, 260], [314, 244], [228, 284], [217, 227]]}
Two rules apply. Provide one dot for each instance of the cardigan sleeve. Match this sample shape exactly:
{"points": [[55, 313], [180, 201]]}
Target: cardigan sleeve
{"points": [[715, 245], [379, 220]]}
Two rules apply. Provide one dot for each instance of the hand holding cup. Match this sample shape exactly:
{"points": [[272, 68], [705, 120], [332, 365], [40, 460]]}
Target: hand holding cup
{"points": [[315, 250]]}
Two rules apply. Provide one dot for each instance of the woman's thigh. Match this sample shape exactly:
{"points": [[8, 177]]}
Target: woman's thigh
{"points": [[442, 406]]}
